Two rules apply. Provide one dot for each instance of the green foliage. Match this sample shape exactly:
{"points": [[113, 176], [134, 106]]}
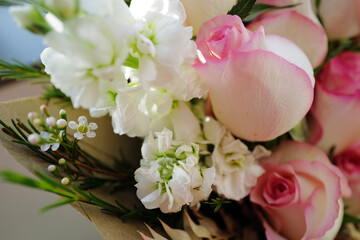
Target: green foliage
{"points": [[350, 219], [299, 132], [59, 203], [17, 70], [128, 2], [242, 8], [51, 92], [217, 203], [335, 48]]}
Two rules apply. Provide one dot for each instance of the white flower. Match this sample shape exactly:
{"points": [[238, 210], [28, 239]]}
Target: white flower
{"points": [[170, 175], [83, 128], [85, 59], [189, 85], [63, 9], [52, 141], [162, 43], [236, 167], [27, 16], [138, 111]]}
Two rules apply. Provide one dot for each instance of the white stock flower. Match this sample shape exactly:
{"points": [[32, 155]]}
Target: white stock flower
{"points": [[28, 17], [83, 128], [162, 43], [236, 166], [139, 111], [189, 85], [170, 175], [85, 59]]}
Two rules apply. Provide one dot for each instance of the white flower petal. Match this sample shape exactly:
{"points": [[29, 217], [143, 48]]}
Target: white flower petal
{"points": [[91, 134], [93, 126], [45, 147], [73, 125], [78, 135], [55, 146], [82, 120]]}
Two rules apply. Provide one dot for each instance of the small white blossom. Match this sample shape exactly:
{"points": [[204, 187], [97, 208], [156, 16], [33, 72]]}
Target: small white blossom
{"points": [[37, 122], [51, 141], [65, 181], [51, 168], [236, 167], [170, 175], [61, 123], [32, 116], [43, 108], [83, 128], [34, 138], [50, 121]]}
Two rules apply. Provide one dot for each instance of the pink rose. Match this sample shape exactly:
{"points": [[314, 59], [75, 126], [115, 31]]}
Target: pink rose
{"points": [[336, 108], [298, 24], [341, 19], [260, 86], [349, 163], [299, 196]]}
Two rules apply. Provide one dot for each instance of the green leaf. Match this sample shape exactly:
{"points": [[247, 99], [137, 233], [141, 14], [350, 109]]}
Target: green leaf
{"points": [[51, 92], [346, 45], [242, 8], [17, 70], [217, 203], [59, 203], [52, 182], [91, 183], [299, 132], [351, 219], [13, 177], [261, 7]]}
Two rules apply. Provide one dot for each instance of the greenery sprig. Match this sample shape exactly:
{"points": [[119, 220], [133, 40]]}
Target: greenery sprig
{"points": [[17, 70], [82, 165], [217, 203]]}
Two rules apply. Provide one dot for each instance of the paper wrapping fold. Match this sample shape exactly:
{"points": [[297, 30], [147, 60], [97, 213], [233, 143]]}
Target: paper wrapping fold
{"points": [[105, 145]]}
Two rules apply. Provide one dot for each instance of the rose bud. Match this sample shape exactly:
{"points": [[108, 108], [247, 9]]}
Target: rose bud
{"points": [[260, 86], [335, 113]]}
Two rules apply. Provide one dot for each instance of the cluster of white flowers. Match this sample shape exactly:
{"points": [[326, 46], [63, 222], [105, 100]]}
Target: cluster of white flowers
{"points": [[236, 166], [131, 62], [170, 175]]}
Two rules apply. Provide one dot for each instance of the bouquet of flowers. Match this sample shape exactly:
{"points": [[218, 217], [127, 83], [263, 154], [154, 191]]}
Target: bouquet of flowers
{"points": [[193, 119]]}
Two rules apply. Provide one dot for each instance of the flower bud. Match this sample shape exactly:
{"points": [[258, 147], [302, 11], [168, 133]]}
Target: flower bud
{"points": [[32, 116], [63, 9], [28, 17], [37, 122], [50, 121], [54, 170], [62, 163], [65, 181], [63, 114], [33, 138], [61, 123]]}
